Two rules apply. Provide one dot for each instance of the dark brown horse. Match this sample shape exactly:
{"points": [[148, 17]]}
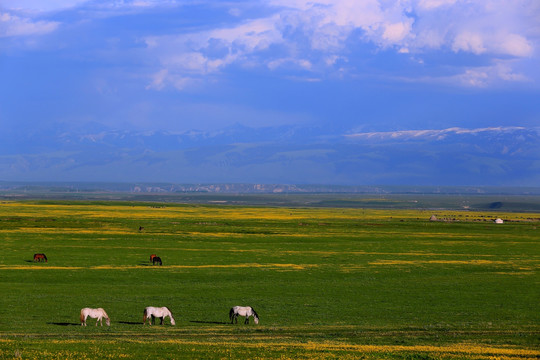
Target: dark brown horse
{"points": [[156, 260], [40, 257]]}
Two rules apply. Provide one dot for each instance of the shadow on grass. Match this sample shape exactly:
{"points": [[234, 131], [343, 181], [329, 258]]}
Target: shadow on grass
{"points": [[64, 324], [130, 322], [209, 322]]}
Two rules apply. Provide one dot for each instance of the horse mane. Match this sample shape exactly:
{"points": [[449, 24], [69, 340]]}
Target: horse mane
{"points": [[168, 309], [105, 313], [255, 313]]}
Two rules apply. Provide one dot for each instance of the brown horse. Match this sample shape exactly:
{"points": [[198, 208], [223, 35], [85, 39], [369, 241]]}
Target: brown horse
{"points": [[152, 257], [156, 260], [40, 257]]}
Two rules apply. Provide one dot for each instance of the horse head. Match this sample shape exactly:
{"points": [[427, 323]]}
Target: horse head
{"points": [[255, 316]]}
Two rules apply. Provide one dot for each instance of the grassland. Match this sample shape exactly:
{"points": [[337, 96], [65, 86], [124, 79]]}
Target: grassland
{"points": [[343, 283]]}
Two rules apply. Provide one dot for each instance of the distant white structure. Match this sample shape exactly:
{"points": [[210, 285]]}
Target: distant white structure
{"points": [[499, 221], [433, 218]]}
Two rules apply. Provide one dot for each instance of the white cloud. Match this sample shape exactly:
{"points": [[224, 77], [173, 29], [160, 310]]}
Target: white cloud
{"points": [[298, 63], [478, 27], [496, 43], [469, 42], [513, 44], [486, 76], [312, 34], [254, 35], [394, 33], [158, 80], [192, 54], [474, 78], [33, 6], [433, 4], [11, 25]]}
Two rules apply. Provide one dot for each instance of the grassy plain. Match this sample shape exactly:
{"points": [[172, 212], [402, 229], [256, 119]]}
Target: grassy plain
{"points": [[343, 283]]}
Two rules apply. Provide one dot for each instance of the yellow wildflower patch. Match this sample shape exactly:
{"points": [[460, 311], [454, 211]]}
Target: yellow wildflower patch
{"points": [[80, 231], [460, 349], [234, 213], [38, 267], [463, 349], [448, 262], [275, 266]]}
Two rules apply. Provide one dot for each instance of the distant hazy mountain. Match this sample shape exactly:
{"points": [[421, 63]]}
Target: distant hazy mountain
{"points": [[499, 156]]}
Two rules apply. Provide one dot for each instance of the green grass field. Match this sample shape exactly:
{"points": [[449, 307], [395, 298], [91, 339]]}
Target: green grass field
{"points": [[327, 283]]}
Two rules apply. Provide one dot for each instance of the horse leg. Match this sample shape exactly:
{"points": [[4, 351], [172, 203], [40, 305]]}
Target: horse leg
{"points": [[161, 318], [247, 320]]}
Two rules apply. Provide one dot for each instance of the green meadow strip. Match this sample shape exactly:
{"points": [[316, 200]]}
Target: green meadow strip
{"points": [[327, 283]]}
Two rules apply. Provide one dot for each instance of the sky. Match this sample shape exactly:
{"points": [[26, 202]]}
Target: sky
{"points": [[341, 67], [346, 65]]}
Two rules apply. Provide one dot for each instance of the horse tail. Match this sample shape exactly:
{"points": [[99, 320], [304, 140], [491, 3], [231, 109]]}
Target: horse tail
{"points": [[231, 314], [145, 315], [82, 315]]}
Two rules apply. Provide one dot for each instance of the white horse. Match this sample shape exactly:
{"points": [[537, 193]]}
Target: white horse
{"points": [[246, 311], [98, 313], [151, 313]]}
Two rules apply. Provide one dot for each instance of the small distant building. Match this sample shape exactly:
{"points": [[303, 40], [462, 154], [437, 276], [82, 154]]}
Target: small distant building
{"points": [[499, 221], [433, 218]]}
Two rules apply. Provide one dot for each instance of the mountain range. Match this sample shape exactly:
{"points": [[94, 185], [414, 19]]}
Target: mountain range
{"points": [[497, 156]]}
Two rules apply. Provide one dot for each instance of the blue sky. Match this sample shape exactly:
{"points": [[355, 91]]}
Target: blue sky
{"points": [[342, 66], [350, 65]]}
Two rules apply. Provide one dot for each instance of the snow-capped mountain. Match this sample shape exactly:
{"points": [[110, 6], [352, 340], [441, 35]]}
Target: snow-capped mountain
{"points": [[286, 154], [436, 134]]}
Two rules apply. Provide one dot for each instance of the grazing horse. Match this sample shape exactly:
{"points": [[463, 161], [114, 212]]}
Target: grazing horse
{"points": [[141, 228], [151, 313], [246, 311], [152, 257], [40, 257], [156, 260], [98, 313]]}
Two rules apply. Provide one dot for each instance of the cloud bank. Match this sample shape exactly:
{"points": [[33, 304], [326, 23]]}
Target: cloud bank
{"points": [[324, 38], [315, 39]]}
